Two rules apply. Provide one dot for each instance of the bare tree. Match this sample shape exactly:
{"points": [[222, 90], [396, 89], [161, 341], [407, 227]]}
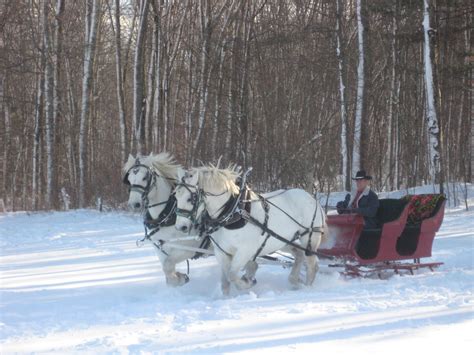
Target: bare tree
{"points": [[91, 21], [431, 114], [116, 27], [138, 87], [356, 151], [342, 92]]}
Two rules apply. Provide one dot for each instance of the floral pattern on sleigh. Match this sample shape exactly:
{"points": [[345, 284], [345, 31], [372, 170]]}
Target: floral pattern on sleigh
{"points": [[422, 206]]}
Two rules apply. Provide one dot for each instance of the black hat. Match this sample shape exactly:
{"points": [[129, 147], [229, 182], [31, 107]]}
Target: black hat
{"points": [[362, 176]]}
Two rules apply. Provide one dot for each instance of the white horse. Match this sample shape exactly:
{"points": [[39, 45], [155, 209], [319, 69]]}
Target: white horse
{"points": [[294, 214], [152, 180]]}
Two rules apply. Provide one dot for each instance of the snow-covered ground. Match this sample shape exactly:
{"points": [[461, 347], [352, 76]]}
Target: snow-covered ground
{"points": [[74, 282]]}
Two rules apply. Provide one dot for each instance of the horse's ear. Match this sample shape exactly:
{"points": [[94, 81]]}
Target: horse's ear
{"points": [[180, 175], [191, 177], [130, 159], [125, 179]]}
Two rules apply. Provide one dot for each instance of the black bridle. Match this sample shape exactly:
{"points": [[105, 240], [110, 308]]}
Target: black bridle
{"points": [[204, 221], [196, 199], [150, 179]]}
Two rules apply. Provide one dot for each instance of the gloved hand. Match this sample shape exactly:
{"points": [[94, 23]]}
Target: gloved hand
{"points": [[347, 199], [340, 207]]}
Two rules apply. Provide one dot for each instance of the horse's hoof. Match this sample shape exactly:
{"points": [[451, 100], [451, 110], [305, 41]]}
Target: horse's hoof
{"points": [[250, 281], [295, 281]]}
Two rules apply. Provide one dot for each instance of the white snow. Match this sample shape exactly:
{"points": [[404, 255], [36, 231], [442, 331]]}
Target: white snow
{"points": [[74, 282]]}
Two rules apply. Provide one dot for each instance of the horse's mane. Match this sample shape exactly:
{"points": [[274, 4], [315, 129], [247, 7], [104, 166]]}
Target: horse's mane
{"points": [[213, 178], [163, 163]]}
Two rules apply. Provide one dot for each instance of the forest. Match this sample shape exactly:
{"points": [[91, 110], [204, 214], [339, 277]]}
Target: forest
{"points": [[304, 91]]}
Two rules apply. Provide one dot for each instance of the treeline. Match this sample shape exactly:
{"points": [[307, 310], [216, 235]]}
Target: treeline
{"points": [[305, 91]]}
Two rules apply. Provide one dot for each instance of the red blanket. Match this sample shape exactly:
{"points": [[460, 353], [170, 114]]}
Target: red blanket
{"points": [[421, 206]]}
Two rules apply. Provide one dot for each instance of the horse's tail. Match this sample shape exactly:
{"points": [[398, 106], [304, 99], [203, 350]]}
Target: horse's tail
{"points": [[325, 233], [324, 226]]}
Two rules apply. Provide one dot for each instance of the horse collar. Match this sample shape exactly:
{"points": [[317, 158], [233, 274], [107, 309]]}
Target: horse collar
{"points": [[166, 218]]}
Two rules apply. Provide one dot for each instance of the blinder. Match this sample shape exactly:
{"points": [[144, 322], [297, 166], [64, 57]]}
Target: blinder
{"points": [[125, 178], [195, 202], [144, 190]]}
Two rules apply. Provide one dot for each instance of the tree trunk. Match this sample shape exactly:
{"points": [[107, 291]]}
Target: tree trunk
{"points": [[356, 151], [119, 79], [70, 118], [138, 104], [7, 140], [150, 92], [393, 104], [89, 51], [431, 114], [218, 104], [342, 93], [58, 41], [244, 115], [37, 136], [49, 100], [157, 102], [206, 30]]}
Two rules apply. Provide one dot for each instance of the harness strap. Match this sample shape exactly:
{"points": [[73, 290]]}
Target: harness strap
{"points": [[308, 247], [266, 208], [218, 246], [261, 247], [204, 245], [279, 237], [274, 205]]}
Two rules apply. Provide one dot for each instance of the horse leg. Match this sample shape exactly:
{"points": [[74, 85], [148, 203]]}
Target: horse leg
{"points": [[173, 278], [294, 277], [239, 261], [312, 261], [224, 262], [312, 267], [250, 270]]}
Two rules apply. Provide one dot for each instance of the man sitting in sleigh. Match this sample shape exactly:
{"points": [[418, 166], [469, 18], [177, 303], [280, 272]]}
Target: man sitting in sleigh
{"points": [[362, 201]]}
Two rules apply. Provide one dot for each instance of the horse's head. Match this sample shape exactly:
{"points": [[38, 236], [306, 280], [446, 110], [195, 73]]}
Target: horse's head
{"points": [[207, 188], [139, 178], [190, 202]]}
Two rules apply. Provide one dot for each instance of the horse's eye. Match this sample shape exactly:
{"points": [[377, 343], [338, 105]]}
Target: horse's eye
{"points": [[190, 200]]}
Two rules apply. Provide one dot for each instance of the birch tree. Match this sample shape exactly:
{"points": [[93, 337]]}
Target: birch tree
{"points": [[356, 152], [38, 116], [432, 125], [91, 22], [138, 87], [206, 32], [117, 31], [49, 98], [342, 93], [392, 139]]}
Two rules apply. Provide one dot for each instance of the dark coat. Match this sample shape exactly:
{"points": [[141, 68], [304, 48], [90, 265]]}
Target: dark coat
{"points": [[368, 206]]}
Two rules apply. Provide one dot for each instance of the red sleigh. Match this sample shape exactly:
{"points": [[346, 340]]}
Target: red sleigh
{"points": [[407, 230]]}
